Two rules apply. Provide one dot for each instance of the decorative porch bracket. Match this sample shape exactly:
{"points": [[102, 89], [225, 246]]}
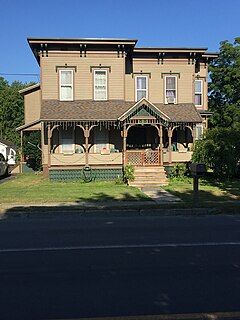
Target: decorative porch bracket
{"points": [[49, 136], [86, 132]]}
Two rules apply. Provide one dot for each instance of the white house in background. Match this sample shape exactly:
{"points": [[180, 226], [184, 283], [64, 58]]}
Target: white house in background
{"points": [[9, 150]]}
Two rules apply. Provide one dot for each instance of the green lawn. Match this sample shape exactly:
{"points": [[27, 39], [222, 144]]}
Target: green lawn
{"points": [[31, 188], [210, 190]]}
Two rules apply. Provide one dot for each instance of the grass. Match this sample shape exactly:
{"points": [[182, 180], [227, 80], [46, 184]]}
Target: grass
{"points": [[210, 190], [31, 188]]}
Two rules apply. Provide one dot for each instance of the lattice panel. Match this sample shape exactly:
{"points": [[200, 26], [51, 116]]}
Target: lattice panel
{"points": [[141, 158], [134, 158], [151, 157]]}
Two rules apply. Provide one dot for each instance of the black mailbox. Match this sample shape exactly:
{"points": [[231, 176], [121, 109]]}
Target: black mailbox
{"points": [[198, 169]]}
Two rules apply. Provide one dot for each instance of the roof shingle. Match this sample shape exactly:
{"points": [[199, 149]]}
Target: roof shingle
{"points": [[110, 110]]}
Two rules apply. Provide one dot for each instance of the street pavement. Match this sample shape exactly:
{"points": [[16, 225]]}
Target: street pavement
{"points": [[83, 266]]}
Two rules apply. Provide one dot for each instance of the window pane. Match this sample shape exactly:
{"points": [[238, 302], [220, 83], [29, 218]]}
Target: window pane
{"points": [[171, 93], [100, 85], [198, 99], [198, 86], [66, 93], [66, 77], [100, 94], [170, 83], [199, 132], [67, 140], [141, 83], [141, 94]]}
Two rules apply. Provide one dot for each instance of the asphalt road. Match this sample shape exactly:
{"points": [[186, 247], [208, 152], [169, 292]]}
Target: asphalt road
{"points": [[92, 267]]}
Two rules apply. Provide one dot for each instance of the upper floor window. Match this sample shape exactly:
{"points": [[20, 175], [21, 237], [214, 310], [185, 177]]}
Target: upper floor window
{"points": [[198, 92], [141, 87], [170, 89], [100, 85], [66, 85]]}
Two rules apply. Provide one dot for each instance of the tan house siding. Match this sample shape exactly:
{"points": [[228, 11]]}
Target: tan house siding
{"points": [[32, 105], [156, 74], [83, 77]]}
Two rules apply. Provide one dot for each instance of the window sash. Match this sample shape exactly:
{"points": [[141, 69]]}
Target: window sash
{"points": [[198, 92], [141, 87], [67, 141], [170, 88], [66, 85], [199, 132], [101, 139], [100, 85]]}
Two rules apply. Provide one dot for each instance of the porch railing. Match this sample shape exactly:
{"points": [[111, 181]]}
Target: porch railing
{"points": [[143, 157]]}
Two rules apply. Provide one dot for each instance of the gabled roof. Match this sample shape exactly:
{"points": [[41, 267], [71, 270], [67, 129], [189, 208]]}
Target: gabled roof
{"points": [[30, 89], [139, 104], [114, 110]]}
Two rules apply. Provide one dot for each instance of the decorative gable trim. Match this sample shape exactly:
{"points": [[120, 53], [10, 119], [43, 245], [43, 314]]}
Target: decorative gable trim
{"points": [[135, 110]]}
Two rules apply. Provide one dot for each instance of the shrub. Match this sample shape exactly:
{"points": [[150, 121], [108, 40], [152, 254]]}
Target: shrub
{"points": [[128, 173]]}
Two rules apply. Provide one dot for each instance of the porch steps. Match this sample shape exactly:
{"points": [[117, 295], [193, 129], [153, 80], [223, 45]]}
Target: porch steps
{"points": [[149, 176]]}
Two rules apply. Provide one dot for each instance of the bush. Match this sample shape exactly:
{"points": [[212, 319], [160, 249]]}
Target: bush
{"points": [[180, 171], [220, 151], [128, 173], [31, 150]]}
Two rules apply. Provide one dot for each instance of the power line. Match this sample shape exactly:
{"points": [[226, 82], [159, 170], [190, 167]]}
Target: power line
{"points": [[19, 74]]}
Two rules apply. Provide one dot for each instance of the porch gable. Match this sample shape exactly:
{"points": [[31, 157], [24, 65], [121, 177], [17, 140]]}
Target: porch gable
{"points": [[143, 109]]}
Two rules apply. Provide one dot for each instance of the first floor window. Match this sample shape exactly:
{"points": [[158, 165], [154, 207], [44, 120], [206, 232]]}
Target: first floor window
{"points": [[199, 132], [170, 89], [66, 85], [198, 92], [100, 85], [67, 140], [101, 139], [141, 88]]}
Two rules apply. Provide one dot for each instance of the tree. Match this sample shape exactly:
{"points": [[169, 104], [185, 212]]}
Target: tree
{"points": [[219, 150], [224, 98], [11, 109], [31, 149]]}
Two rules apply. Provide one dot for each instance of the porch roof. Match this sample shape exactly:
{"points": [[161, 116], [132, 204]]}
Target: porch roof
{"points": [[111, 110]]}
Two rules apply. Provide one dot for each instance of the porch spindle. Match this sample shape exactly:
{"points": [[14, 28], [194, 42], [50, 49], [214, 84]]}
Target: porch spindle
{"points": [[170, 144]]}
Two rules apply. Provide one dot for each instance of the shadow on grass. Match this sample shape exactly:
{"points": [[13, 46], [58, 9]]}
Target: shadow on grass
{"points": [[103, 197], [210, 190]]}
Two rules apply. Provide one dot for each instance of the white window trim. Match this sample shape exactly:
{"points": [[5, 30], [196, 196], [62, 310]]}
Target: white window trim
{"points": [[60, 85], [73, 144], [200, 92], [136, 89], [106, 85], [165, 89]]}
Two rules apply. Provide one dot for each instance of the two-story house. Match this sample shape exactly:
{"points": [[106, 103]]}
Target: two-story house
{"points": [[104, 103]]}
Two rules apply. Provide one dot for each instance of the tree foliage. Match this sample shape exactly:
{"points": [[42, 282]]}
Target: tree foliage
{"points": [[11, 109], [32, 149], [220, 151], [220, 147], [224, 97]]}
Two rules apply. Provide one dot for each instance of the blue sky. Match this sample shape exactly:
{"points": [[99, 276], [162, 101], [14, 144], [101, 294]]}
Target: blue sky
{"points": [[155, 23]]}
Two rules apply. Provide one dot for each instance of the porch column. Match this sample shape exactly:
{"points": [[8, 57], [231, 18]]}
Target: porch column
{"points": [[49, 145], [42, 142], [194, 134], [21, 152], [86, 136], [170, 144], [124, 135], [161, 144]]}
